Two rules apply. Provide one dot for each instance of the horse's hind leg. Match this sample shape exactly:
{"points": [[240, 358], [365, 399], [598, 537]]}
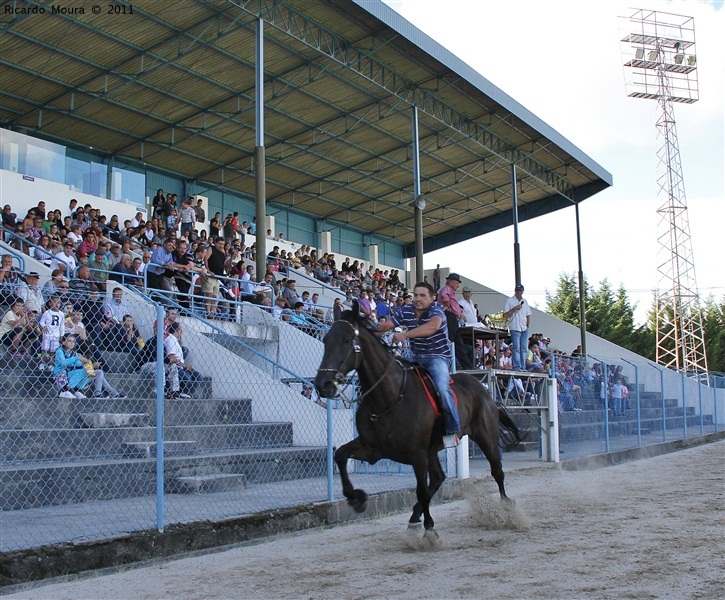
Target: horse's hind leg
{"points": [[488, 442], [356, 498]]}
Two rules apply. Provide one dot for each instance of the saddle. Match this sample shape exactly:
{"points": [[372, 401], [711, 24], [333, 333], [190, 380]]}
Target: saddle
{"points": [[431, 391]]}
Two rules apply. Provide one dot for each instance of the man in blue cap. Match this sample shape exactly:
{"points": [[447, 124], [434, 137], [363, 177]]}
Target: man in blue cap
{"points": [[518, 312]]}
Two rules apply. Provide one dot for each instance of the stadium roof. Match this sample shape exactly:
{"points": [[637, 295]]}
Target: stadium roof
{"points": [[172, 86]]}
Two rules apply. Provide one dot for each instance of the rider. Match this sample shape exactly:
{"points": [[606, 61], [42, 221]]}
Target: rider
{"points": [[428, 334]]}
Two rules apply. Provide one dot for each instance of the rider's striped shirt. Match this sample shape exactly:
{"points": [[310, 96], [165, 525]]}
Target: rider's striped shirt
{"points": [[433, 345]]}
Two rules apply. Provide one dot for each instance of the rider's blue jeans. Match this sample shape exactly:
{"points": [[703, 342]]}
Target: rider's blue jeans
{"points": [[439, 370]]}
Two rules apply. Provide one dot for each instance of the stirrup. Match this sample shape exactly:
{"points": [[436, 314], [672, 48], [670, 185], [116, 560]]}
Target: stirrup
{"points": [[451, 441]]}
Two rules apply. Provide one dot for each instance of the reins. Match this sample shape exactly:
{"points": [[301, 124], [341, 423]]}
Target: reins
{"points": [[340, 377]]}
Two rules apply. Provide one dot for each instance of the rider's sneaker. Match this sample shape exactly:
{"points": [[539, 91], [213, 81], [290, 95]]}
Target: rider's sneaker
{"points": [[451, 441]]}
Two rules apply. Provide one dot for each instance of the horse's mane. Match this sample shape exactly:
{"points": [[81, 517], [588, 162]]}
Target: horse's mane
{"points": [[355, 318]]}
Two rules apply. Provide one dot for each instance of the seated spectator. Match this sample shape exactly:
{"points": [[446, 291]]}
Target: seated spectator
{"points": [[43, 253], [35, 230], [131, 341], [99, 268], [72, 373], [9, 280], [183, 379], [89, 244], [123, 272], [533, 358], [29, 291], [506, 360], [111, 325], [114, 255], [13, 328], [51, 286], [82, 284], [65, 260]]}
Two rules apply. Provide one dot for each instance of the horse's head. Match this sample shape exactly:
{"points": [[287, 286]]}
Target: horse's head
{"points": [[342, 352]]}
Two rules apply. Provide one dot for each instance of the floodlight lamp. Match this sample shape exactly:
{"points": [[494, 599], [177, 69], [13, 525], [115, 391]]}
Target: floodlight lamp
{"points": [[679, 58], [419, 202], [639, 55], [691, 60], [652, 55]]}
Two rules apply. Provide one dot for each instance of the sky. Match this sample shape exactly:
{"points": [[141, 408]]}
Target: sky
{"points": [[562, 61]]}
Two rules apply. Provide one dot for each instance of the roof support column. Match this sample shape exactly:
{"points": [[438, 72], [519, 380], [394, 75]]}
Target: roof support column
{"points": [[417, 201], [515, 211], [582, 291], [259, 154]]}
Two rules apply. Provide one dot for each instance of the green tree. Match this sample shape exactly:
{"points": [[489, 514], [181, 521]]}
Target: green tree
{"points": [[713, 321], [564, 303]]}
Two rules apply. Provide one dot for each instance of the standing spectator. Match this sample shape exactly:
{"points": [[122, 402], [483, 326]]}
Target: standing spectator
{"points": [[111, 325], [228, 230], [467, 306], [52, 322], [517, 311], [188, 218], [200, 212], [157, 205], [453, 312], [437, 278], [214, 263], [161, 269]]}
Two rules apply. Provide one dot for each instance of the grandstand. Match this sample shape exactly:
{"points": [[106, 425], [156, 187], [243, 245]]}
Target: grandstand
{"points": [[233, 414]]}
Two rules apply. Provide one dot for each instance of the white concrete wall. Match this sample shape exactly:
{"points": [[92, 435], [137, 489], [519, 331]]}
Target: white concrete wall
{"points": [[23, 194]]}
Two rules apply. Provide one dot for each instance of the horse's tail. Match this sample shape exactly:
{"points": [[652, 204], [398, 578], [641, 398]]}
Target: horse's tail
{"points": [[510, 434]]}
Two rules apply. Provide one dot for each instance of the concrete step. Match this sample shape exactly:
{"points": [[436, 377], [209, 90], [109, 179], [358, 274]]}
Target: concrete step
{"points": [[59, 413], [18, 446], [208, 484], [148, 449], [113, 419], [53, 483]]}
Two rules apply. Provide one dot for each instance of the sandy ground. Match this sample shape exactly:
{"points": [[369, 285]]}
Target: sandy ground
{"points": [[647, 529]]}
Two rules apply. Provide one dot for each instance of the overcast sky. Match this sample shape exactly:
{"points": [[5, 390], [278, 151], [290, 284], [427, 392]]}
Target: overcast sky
{"points": [[562, 61]]}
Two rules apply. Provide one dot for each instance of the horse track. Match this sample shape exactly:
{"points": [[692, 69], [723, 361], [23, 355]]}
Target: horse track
{"points": [[652, 528]]}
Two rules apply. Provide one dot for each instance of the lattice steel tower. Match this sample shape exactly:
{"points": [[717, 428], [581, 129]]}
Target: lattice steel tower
{"points": [[661, 62]]}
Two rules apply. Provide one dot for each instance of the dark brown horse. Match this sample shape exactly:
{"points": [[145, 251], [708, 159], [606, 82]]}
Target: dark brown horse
{"points": [[395, 420]]}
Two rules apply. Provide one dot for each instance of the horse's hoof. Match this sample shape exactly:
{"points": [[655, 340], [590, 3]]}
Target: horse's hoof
{"points": [[508, 502], [359, 501], [415, 526], [431, 535]]}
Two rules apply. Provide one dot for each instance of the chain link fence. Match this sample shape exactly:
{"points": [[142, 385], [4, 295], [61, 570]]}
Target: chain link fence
{"points": [[608, 404], [121, 412]]}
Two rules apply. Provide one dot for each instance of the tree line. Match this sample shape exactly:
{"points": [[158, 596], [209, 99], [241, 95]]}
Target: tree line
{"points": [[610, 315]]}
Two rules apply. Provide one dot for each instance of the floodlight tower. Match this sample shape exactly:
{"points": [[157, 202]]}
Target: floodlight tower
{"points": [[660, 58]]}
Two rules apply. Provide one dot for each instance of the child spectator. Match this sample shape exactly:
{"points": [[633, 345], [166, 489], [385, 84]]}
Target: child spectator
{"points": [[52, 322]]}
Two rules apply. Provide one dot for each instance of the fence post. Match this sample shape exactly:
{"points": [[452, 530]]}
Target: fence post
{"points": [[159, 418], [639, 412], [553, 422], [714, 406], [330, 490], [684, 406], [605, 387], [699, 395]]}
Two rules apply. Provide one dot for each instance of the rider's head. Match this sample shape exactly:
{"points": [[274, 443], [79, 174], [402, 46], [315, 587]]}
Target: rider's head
{"points": [[423, 295]]}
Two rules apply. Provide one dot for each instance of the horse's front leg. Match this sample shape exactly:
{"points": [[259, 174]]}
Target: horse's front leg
{"points": [[358, 499], [429, 477]]}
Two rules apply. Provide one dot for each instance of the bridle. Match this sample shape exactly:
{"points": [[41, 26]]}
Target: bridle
{"points": [[340, 377]]}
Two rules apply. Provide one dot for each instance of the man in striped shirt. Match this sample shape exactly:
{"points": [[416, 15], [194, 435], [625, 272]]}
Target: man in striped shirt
{"points": [[426, 330]]}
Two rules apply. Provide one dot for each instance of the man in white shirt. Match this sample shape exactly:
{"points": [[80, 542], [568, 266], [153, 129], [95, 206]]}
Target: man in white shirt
{"points": [[469, 310], [518, 312], [178, 371], [65, 260]]}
